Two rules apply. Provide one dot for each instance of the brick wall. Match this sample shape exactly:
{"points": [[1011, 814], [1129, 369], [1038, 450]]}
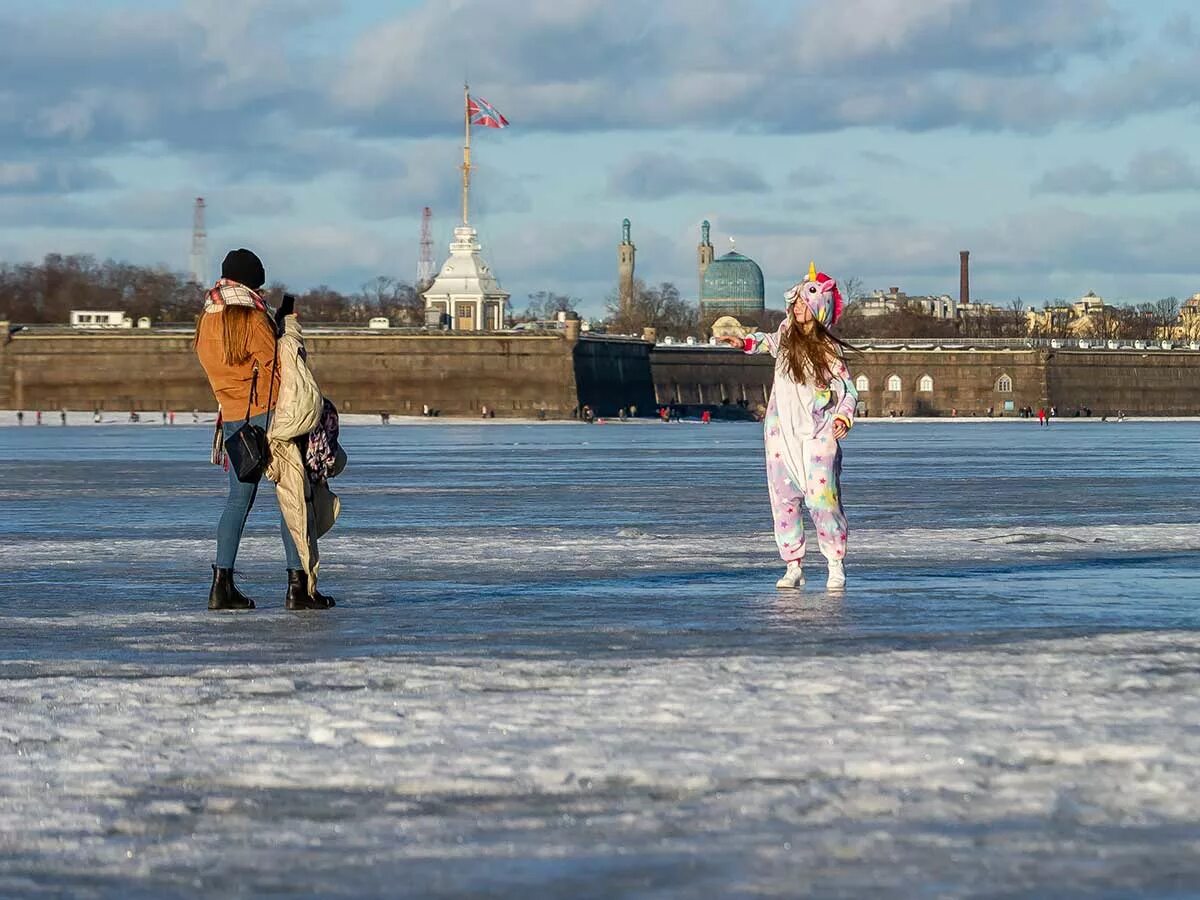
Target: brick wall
{"points": [[966, 381], [512, 374], [524, 375], [1165, 383]]}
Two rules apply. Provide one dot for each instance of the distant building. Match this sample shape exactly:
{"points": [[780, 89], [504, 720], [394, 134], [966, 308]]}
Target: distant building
{"points": [[941, 307], [882, 303], [1083, 318], [1089, 302], [1190, 311], [465, 289], [1187, 325], [93, 318], [975, 310], [731, 285], [1049, 320]]}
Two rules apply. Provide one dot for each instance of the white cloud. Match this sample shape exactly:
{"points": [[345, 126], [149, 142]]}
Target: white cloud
{"points": [[1157, 171], [655, 176], [1079, 178], [1149, 172], [25, 177]]}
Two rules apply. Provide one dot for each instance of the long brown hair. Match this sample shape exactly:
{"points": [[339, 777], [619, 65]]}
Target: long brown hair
{"points": [[236, 324], [807, 354]]}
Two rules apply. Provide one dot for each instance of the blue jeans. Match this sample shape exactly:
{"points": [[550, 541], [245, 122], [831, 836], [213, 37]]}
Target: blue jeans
{"points": [[237, 508]]}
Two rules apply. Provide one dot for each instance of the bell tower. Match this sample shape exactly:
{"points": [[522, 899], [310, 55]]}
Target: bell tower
{"points": [[626, 256], [704, 254]]}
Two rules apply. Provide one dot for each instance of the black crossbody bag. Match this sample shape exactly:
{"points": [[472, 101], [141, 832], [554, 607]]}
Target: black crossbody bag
{"points": [[246, 448]]}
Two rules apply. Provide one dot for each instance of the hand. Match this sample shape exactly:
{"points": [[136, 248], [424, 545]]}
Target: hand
{"points": [[840, 429], [731, 340]]}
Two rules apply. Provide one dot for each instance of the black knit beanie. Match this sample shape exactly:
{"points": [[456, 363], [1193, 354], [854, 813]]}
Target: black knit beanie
{"points": [[245, 268]]}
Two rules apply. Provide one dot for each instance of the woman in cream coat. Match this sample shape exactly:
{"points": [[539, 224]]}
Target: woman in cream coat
{"points": [[309, 508]]}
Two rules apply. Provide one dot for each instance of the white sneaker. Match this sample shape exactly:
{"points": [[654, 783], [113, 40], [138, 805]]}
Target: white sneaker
{"points": [[837, 575], [793, 577]]}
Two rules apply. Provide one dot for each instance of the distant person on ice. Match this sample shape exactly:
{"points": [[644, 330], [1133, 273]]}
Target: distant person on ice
{"points": [[810, 410], [236, 343]]}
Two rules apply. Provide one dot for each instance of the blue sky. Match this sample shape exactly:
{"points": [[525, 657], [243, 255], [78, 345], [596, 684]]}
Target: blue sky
{"points": [[878, 137]]}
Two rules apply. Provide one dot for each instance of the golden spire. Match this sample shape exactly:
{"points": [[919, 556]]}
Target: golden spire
{"points": [[466, 166]]}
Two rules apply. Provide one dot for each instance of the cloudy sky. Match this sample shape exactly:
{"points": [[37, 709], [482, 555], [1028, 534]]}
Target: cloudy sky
{"points": [[1056, 139]]}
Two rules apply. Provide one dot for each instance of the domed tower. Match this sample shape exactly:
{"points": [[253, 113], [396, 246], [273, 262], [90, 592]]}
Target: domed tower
{"points": [[732, 286], [626, 254], [704, 253]]}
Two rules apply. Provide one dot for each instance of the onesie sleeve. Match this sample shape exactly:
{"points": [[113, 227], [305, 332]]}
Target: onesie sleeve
{"points": [[762, 342], [843, 385]]}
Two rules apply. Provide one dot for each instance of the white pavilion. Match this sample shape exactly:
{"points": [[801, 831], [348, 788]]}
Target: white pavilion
{"points": [[465, 289]]}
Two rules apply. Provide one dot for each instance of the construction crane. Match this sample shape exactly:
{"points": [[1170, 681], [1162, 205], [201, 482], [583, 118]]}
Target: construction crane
{"points": [[425, 259]]}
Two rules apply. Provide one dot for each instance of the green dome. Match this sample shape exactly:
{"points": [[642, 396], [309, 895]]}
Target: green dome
{"points": [[733, 279]]}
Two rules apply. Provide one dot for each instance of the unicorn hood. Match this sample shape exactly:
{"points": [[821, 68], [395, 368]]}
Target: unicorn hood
{"points": [[821, 294]]}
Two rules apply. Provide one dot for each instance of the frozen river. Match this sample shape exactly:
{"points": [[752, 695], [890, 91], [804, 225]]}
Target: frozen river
{"points": [[560, 668]]}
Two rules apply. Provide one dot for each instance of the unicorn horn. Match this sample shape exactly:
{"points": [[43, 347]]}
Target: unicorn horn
{"points": [[812, 271]]}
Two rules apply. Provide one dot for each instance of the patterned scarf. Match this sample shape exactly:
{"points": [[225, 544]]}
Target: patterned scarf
{"points": [[228, 293], [321, 455], [231, 293]]}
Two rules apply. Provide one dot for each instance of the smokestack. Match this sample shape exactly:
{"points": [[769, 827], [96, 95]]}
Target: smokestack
{"points": [[964, 276]]}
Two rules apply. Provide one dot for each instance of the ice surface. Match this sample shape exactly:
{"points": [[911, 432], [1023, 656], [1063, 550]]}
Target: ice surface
{"points": [[560, 669]]}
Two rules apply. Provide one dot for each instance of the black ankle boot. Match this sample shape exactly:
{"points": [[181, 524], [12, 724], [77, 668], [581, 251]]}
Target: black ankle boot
{"points": [[224, 593], [297, 593]]}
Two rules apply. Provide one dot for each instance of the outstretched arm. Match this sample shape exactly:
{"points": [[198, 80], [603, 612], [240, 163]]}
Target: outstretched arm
{"points": [[758, 342]]}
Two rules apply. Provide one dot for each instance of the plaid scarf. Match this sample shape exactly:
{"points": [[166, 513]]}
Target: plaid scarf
{"points": [[231, 293]]}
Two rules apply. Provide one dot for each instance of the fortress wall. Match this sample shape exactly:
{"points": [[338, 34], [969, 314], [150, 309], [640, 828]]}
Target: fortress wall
{"points": [[963, 380], [512, 374], [1155, 382], [515, 375], [612, 373], [112, 371], [528, 375]]}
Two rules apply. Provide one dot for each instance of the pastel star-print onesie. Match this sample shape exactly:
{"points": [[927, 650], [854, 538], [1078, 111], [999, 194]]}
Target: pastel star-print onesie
{"points": [[804, 460]]}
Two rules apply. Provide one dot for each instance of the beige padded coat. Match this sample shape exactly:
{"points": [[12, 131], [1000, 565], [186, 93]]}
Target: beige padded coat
{"points": [[308, 509]]}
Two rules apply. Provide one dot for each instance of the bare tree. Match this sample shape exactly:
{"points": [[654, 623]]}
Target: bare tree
{"points": [[546, 305], [907, 321], [1017, 324], [661, 307], [46, 292], [387, 296], [1166, 316], [851, 288]]}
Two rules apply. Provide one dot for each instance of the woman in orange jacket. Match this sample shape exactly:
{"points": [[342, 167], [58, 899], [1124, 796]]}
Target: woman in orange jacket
{"points": [[235, 341]]}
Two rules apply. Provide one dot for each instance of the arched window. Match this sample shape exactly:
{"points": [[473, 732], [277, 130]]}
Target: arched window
{"points": [[925, 384], [1004, 384], [893, 383], [862, 383]]}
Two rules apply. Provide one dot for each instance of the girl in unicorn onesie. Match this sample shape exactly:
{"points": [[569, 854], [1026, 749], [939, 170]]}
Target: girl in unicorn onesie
{"points": [[811, 409]]}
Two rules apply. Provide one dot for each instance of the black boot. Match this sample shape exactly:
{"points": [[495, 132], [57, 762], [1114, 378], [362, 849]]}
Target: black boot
{"points": [[224, 593], [297, 593]]}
